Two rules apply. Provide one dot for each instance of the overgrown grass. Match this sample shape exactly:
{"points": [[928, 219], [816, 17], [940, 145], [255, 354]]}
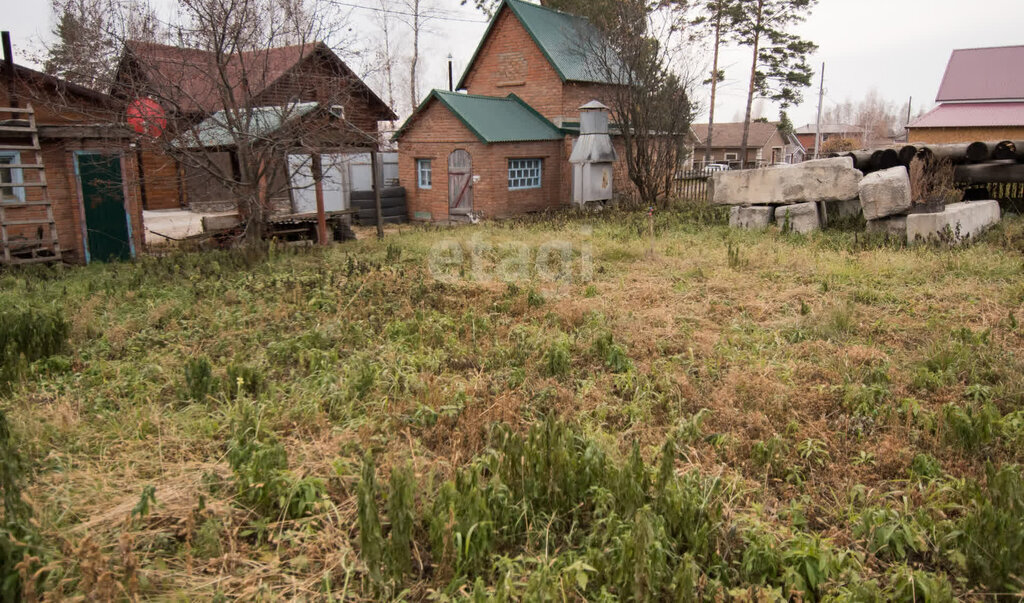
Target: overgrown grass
{"points": [[743, 416]]}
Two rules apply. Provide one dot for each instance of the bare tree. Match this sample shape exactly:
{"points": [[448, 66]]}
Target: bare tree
{"points": [[640, 49]]}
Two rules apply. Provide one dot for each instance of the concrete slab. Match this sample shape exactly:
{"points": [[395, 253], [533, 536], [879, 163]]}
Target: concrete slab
{"points": [[834, 180], [801, 218], [885, 193], [173, 223], [893, 226], [959, 223], [755, 217]]}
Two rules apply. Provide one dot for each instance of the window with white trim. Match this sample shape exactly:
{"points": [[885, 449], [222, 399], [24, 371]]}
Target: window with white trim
{"points": [[524, 173], [732, 156], [424, 173], [9, 175]]}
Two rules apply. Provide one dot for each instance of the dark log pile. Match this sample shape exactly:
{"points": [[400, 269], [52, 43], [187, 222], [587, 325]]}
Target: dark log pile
{"points": [[981, 162]]}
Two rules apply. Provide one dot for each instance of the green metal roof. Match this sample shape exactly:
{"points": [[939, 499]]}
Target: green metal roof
{"points": [[566, 40], [214, 131], [493, 119]]}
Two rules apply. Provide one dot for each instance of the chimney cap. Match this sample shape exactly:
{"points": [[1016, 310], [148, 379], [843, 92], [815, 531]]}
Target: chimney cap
{"points": [[594, 105]]}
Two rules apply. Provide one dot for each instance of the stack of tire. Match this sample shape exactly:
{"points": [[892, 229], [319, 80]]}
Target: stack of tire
{"points": [[392, 206]]}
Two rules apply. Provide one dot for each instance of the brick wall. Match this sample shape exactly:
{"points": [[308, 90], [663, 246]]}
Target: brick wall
{"points": [[951, 135], [58, 159], [437, 133], [510, 62]]}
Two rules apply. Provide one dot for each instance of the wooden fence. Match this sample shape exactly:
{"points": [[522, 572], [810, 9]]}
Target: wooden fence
{"points": [[691, 185]]}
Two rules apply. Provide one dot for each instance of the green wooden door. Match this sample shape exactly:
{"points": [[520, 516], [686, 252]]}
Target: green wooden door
{"points": [[107, 232]]}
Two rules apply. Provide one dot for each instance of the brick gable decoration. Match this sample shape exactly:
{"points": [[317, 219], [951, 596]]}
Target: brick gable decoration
{"points": [[517, 121]]}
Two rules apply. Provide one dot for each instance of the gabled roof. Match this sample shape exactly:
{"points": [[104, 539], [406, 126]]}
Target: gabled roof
{"points": [[185, 76], [492, 119], [262, 122], [563, 38], [730, 135], [972, 115], [984, 74]]}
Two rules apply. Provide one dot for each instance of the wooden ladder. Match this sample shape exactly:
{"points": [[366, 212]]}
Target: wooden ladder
{"points": [[24, 212]]}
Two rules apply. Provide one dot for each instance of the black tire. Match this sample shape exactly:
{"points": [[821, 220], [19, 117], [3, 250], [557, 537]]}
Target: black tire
{"points": [[370, 214], [385, 202], [361, 196], [393, 192]]}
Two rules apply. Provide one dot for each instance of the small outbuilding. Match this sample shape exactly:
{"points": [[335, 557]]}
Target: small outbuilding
{"points": [[481, 155], [68, 178]]}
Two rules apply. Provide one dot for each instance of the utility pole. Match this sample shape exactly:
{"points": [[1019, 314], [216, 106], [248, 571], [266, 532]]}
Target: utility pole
{"points": [[714, 83], [910, 104], [817, 128]]}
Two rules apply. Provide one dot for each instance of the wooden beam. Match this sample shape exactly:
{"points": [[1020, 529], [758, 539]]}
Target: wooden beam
{"points": [[318, 180]]}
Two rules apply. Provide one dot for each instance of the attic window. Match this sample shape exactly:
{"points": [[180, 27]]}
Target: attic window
{"points": [[338, 111]]}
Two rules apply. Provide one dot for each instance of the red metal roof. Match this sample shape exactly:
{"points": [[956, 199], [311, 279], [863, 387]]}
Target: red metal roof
{"points": [[975, 74], [965, 115]]}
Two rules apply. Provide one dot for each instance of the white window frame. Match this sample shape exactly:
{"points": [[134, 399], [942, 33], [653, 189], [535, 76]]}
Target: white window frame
{"points": [[732, 157], [17, 194], [526, 173], [428, 182]]}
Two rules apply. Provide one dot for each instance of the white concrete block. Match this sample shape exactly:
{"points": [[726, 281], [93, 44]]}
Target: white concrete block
{"points": [[959, 223], [885, 193], [801, 183], [754, 217], [801, 218]]}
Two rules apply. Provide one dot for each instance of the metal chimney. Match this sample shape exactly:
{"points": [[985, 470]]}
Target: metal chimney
{"points": [[12, 95], [593, 157]]}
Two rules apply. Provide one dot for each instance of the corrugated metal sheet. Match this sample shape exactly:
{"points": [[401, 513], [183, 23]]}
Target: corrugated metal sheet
{"points": [[984, 74], [494, 119], [214, 131], [956, 115]]}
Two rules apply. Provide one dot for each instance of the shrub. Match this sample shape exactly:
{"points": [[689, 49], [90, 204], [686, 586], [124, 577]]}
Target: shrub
{"points": [[556, 359], [991, 535], [199, 379], [260, 466], [27, 336], [243, 379]]}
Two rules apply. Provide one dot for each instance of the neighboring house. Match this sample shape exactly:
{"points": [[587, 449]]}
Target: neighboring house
{"points": [[271, 82], [765, 145], [503, 148], [796, 152], [808, 135], [981, 98], [90, 174]]}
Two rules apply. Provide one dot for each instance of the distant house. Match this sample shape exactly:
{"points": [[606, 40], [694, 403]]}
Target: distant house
{"points": [[79, 199], [503, 148], [808, 135], [765, 145], [981, 98], [287, 84]]}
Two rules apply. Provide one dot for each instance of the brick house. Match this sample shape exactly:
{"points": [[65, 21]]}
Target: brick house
{"points": [[765, 145], [808, 135], [90, 174], [503, 148], [981, 98], [183, 81]]}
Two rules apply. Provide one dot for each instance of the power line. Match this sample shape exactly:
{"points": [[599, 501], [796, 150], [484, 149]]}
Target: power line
{"points": [[424, 16]]}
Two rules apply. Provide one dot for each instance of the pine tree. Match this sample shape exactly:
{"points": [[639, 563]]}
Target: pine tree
{"points": [[778, 69]]}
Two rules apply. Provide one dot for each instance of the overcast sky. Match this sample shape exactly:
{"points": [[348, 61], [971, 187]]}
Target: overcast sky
{"points": [[899, 47]]}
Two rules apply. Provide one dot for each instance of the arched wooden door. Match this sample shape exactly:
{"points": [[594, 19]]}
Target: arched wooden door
{"points": [[460, 182]]}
